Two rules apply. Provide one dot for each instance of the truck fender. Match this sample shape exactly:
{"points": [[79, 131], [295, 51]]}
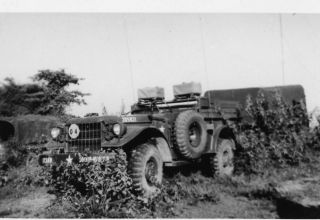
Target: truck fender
{"points": [[223, 132], [138, 134]]}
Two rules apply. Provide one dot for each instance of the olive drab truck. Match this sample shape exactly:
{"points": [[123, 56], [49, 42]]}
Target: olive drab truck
{"points": [[159, 133]]}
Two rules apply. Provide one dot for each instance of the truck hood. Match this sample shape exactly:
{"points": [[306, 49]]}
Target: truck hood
{"points": [[96, 119], [126, 119]]}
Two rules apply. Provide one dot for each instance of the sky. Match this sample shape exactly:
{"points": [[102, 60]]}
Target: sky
{"points": [[117, 54]]}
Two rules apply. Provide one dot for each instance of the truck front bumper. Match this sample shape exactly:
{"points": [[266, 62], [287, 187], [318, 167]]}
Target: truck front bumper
{"points": [[70, 158]]}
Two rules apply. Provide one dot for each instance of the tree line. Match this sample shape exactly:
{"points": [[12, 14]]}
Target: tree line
{"points": [[47, 94]]}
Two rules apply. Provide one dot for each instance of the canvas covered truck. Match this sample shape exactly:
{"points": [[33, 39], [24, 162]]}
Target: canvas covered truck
{"points": [[159, 133]]}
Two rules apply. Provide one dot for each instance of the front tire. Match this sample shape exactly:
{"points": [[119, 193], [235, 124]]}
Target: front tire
{"points": [[146, 169]]}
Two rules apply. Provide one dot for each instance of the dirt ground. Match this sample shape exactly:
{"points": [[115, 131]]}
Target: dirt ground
{"points": [[30, 203], [237, 197], [36, 202], [228, 207]]}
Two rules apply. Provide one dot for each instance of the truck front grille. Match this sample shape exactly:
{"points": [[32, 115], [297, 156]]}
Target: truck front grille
{"points": [[89, 137]]}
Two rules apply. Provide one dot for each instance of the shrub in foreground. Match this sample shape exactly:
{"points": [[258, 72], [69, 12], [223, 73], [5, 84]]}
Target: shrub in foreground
{"points": [[104, 189], [95, 189]]}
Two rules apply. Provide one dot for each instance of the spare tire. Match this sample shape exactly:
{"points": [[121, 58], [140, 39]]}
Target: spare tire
{"points": [[191, 134]]}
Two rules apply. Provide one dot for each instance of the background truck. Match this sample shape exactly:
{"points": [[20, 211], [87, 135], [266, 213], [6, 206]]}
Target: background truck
{"points": [[157, 133]]}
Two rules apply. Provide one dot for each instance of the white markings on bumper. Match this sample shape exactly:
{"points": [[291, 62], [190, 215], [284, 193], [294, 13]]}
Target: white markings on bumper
{"points": [[94, 159], [47, 160]]}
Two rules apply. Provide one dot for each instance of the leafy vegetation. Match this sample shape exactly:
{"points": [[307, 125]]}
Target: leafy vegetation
{"points": [[104, 189], [278, 135], [95, 189], [47, 95], [100, 189], [20, 164]]}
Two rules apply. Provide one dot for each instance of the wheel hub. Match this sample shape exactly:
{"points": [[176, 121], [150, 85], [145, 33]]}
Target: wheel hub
{"points": [[227, 159], [194, 134], [151, 171]]}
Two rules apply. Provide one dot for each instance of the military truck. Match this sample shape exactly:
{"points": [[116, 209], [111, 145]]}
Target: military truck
{"points": [[158, 133]]}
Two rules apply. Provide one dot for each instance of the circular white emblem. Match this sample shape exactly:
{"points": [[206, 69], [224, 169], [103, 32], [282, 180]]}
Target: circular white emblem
{"points": [[74, 131]]}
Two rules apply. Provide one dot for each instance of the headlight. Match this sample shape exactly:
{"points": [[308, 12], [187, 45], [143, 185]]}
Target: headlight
{"points": [[55, 132], [2, 152], [116, 129], [1, 148]]}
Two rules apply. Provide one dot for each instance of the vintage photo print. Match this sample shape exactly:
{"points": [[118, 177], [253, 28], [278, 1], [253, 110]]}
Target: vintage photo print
{"points": [[140, 111]]}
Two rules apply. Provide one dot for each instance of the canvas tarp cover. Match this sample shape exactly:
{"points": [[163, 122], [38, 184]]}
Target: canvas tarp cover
{"points": [[289, 94], [151, 92], [33, 129], [187, 88]]}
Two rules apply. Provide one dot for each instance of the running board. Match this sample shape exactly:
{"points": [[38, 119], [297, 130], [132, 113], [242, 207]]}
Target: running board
{"points": [[176, 163]]}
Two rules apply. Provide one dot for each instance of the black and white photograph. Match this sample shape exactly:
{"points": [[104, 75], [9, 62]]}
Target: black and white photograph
{"points": [[159, 114]]}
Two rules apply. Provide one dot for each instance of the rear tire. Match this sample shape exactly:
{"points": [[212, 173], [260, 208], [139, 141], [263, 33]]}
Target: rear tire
{"points": [[146, 169], [221, 163]]}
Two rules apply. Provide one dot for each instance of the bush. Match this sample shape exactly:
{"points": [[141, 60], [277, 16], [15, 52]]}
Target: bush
{"points": [[95, 189], [19, 164], [15, 154], [277, 136], [103, 189]]}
